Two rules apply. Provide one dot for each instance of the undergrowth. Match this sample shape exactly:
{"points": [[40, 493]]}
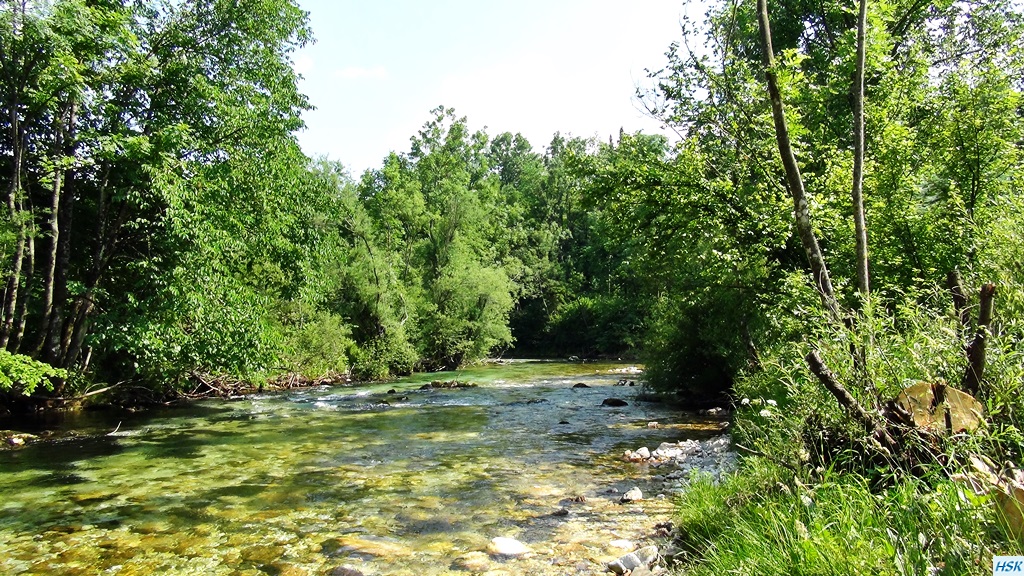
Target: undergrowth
{"points": [[815, 495]]}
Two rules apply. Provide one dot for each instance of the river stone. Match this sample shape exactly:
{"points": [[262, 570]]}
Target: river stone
{"points": [[614, 402], [633, 495], [502, 546], [643, 453], [472, 562], [372, 546], [285, 569], [629, 563], [345, 571], [621, 544], [580, 385]]}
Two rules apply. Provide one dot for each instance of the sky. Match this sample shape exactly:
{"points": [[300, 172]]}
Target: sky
{"points": [[378, 67]]}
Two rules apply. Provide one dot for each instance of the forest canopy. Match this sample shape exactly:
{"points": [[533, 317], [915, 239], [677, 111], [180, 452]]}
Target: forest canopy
{"points": [[163, 225]]}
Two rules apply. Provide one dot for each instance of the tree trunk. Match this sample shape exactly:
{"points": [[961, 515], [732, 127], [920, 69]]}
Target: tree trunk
{"points": [[78, 334], [956, 290], [867, 419], [860, 226], [976, 349], [794, 180], [22, 312], [54, 230], [14, 210]]}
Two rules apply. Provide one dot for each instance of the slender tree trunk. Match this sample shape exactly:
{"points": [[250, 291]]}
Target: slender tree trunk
{"points": [[81, 330], [860, 226], [55, 351], [14, 209], [794, 180], [54, 229], [22, 311]]}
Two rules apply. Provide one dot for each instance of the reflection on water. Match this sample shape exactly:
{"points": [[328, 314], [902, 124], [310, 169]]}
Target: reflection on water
{"points": [[301, 482]]}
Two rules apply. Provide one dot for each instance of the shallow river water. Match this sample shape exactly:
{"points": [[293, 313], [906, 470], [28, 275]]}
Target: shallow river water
{"points": [[306, 481]]}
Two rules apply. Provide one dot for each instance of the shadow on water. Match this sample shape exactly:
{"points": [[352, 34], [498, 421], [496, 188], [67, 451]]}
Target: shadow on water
{"points": [[60, 455]]}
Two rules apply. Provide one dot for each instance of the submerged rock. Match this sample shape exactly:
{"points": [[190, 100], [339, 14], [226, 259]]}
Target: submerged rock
{"points": [[614, 402], [580, 385], [622, 544], [368, 545], [345, 571], [472, 562]]}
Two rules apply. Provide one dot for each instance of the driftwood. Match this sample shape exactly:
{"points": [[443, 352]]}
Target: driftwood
{"points": [[74, 398]]}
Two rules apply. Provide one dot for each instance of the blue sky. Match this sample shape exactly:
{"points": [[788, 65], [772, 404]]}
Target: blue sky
{"points": [[529, 66]]}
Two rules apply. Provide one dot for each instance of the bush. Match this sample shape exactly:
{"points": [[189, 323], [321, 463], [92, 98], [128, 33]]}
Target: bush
{"points": [[390, 354], [315, 343], [695, 350], [595, 325]]}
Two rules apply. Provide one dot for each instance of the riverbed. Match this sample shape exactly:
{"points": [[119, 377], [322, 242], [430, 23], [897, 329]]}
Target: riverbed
{"points": [[382, 479]]}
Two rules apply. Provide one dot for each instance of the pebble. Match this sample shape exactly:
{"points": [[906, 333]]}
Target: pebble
{"points": [[712, 457]]}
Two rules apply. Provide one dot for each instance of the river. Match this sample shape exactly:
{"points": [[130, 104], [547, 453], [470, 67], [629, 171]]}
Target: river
{"points": [[412, 482]]}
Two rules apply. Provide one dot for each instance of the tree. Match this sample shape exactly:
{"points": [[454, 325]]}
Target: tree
{"points": [[148, 143]]}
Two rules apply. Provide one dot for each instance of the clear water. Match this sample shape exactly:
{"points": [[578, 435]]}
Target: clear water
{"points": [[305, 481]]}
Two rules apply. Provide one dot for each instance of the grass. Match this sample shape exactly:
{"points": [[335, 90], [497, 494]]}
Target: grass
{"points": [[765, 521]]}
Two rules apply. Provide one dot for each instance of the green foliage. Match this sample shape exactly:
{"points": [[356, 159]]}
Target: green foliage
{"points": [[692, 355], [314, 342], [22, 375], [595, 325]]}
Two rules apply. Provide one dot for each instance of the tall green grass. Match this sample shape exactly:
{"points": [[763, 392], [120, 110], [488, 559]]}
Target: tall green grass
{"points": [[764, 521]]}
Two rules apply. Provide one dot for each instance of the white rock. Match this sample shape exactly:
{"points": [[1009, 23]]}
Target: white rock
{"points": [[643, 453], [633, 495], [502, 546]]}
